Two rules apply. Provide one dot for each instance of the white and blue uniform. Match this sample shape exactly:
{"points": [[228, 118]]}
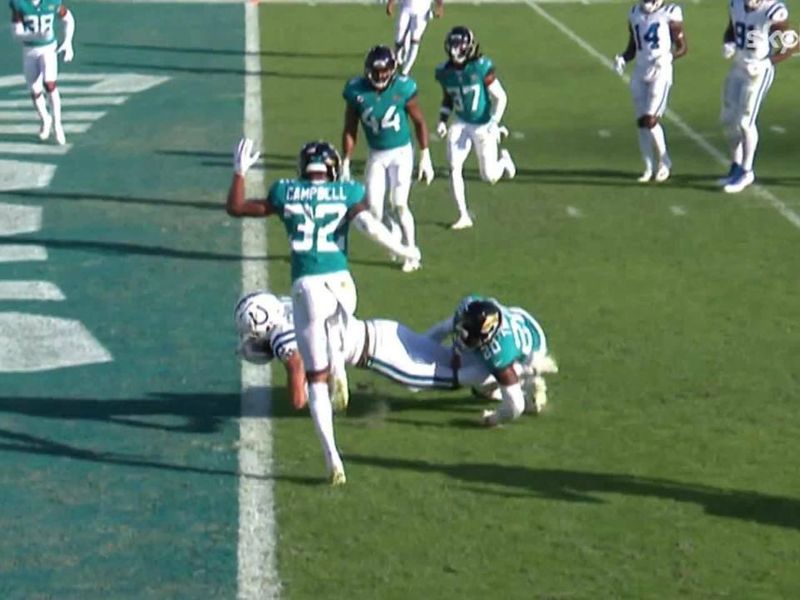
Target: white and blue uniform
{"points": [[652, 76], [752, 72], [280, 344]]}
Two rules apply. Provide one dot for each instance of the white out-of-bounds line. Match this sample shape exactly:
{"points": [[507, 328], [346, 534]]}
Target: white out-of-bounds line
{"points": [[257, 574], [678, 211], [575, 213], [763, 193]]}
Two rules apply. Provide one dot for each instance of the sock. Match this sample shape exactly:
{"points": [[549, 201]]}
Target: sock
{"points": [[646, 147], [660, 143], [459, 191], [748, 149], [407, 225], [322, 414], [735, 140], [41, 107], [55, 105], [410, 57]]}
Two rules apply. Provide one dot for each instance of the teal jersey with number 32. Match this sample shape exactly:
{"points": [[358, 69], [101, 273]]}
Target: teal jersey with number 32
{"points": [[38, 18], [382, 113], [467, 89], [315, 216]]}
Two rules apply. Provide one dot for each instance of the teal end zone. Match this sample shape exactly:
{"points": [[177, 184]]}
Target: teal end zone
{"points": [[119, 479]]}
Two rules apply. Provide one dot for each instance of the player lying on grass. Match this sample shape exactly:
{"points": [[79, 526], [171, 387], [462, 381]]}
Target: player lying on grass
{"points": [[266, 330], [501, 344]]}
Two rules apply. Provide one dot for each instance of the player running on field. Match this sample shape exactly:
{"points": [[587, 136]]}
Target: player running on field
{"points": [[33, 24], [384, 102], [471, 90], [500, 344], [316, 210], [656, 38], [411, 24], [750, 40]]}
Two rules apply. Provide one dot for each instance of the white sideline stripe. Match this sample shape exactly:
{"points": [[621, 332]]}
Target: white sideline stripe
{"points": [[30, 115], [573, 212], [33, 128], [678, 211], [763, 193], [21, 253], [257, 574], [32, 148], [30, 290], [69, 101]]}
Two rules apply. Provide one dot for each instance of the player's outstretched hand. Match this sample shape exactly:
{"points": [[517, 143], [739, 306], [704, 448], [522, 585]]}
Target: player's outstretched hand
{"points": [[728, 50], [69, 53], [619, 64], [425, 166], [244, 156], [345, 170]]}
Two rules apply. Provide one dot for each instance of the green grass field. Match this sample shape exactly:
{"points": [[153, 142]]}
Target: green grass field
{"points": [[665, 466]]}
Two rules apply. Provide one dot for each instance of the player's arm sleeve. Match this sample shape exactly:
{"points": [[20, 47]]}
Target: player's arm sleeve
{"points": [[778, 13], [69, 24], [512, 404], [440, 330], [499, 100], [630, 50], [296, 380], [728, 37]]}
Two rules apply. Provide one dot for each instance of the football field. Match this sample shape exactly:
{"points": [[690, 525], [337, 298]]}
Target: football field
{"points": [[665, 465]]}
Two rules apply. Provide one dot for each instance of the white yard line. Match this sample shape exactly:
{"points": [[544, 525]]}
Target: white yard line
{"points": [[790, 215], [677, 210], [257, 576], [573, 212]]}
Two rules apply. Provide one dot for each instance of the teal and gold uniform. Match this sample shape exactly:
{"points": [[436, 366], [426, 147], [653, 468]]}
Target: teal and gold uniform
{"points": [[38, 18], [467, 88], [316, 217], [517, 339], [382, 112]]}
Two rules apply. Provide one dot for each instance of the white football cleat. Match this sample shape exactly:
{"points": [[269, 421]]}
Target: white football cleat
{"points": [[646, 176], [662, 174], [739, 182], [508, 164], [536, 396], [489, 418], [61, 139], [44, 131], [409, 265], [338, 477], [464, 222]]}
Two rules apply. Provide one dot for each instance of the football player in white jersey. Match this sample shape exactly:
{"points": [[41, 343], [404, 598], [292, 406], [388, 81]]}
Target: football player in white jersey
{"points": [[33, 24], [411, 23], [750, 41], [655, 38]]}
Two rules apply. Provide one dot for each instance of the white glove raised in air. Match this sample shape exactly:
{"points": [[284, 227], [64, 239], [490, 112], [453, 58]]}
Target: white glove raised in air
{"points": [[244, 156], [425, 166], [345, 176], [619, 64], [441, 130], [728, 50], [69, 53]]}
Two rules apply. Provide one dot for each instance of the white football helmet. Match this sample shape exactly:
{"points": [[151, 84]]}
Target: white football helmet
{"points": [[257, 314], [650, 6], [752, 4]]}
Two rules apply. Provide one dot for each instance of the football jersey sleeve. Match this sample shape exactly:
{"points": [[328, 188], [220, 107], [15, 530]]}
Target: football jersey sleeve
{"points": [[283, 342], [485, 66], [778, 13], [356, 192], [350, 91], [675, 13], [409, 89], [439, 73], [276, 195]]}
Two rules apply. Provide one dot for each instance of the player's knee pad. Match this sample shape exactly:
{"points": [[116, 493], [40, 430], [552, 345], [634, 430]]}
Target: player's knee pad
{"points": [[50, 86], [647, 121]]}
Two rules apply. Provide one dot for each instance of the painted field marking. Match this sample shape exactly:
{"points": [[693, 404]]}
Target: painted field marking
{"points": [[575, 213], [778, 129], [21, 253], [70, 102], [678, 211], [22, 175], [257, 573], [604, 133], [33, 128], [30, 290], [30, 115], [781, 207], [33, 148]]}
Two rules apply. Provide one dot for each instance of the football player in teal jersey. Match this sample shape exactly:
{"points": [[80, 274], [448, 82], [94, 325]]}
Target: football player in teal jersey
{"points": [[504, 346], [33, 24], [316, 210], [478, 99], [384, 102]]}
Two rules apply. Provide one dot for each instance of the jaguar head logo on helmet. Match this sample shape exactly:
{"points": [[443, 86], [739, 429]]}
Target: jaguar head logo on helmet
{"points": [[380, 67]]}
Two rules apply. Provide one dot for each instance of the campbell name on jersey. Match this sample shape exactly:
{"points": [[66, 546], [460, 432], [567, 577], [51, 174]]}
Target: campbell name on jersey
{"points": [[382, 112], [38, 18], [316, 218], [519, 336], [652, 36], [751, 28], [467, 89]]}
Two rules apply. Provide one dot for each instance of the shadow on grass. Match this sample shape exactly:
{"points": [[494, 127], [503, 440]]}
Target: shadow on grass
{"points": [[583, 486]]}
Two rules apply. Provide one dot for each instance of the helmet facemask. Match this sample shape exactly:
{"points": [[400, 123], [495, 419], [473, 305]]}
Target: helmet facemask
{"points": [[460, 46], [380, 67]]}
